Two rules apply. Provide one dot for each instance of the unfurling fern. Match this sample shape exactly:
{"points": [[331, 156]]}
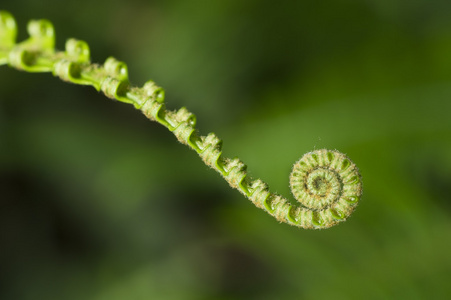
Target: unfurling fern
{"points": [[326, 183]]}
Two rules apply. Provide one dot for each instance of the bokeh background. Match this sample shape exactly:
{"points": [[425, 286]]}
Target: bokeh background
{"points": [[97, 202]]}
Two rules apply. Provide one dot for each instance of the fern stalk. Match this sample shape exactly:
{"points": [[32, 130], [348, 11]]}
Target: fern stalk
{"points": [[326, 183]]}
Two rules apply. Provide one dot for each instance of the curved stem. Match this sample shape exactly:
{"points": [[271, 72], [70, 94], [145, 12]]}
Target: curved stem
{"points": [[326, 183]]}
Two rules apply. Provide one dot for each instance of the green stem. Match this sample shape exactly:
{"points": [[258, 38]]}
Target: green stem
{"points": [[326, 183]]}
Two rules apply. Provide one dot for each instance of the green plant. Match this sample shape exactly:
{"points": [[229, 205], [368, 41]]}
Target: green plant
{"points": [[326, 183]]}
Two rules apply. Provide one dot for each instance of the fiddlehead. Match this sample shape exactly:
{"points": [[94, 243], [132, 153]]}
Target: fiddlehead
{"points": [[326, 183]]}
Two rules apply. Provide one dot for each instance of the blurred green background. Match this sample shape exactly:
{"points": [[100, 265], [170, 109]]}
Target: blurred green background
{"points": [[99, 203]]}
